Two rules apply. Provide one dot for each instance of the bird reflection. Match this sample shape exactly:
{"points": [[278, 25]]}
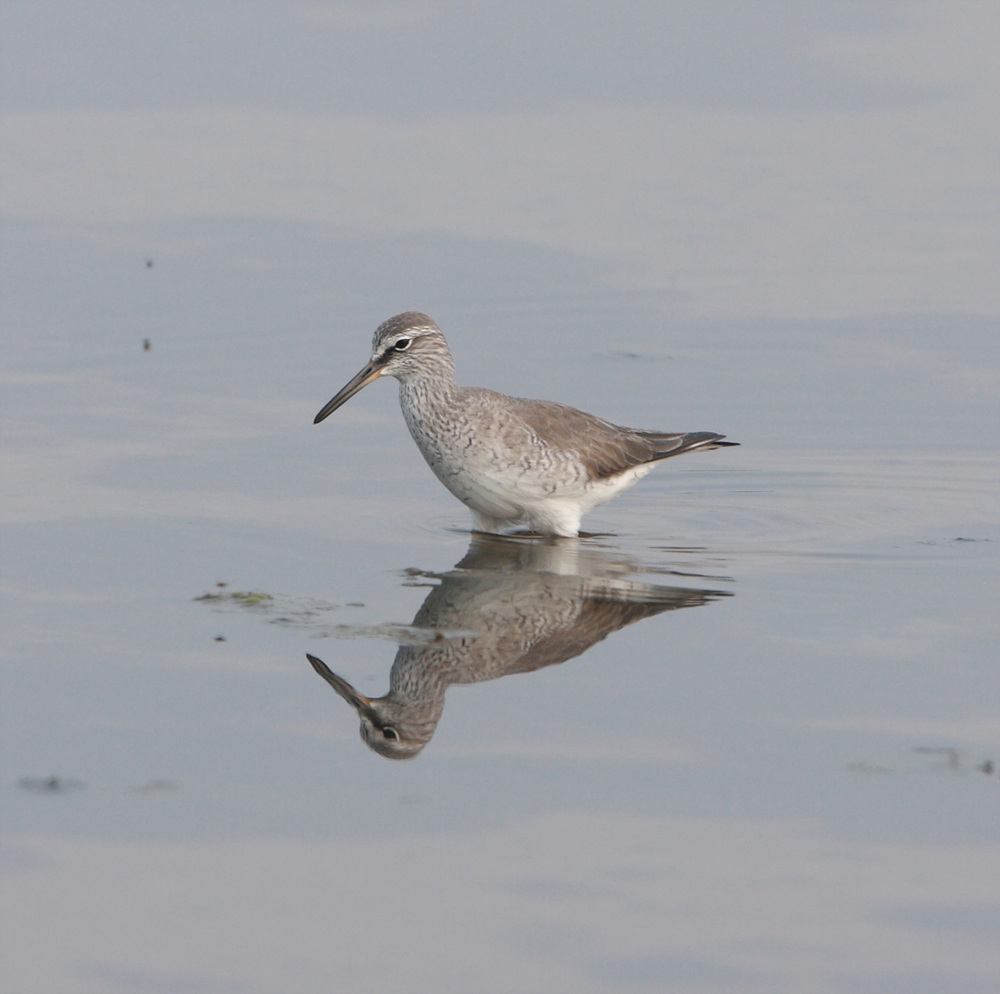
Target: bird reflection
{"points": [[511, 605]]}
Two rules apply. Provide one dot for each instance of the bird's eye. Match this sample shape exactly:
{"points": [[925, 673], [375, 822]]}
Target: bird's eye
{"points": [[390, 733], [403, 344]]}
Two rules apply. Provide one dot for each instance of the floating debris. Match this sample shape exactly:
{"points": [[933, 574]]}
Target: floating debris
{"points": [[241, 598], [934, 759], [278, 609], [50, 785], [313, 616]]}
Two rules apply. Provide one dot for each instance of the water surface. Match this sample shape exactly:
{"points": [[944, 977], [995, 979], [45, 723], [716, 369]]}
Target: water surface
{"points": [[742, 737]]}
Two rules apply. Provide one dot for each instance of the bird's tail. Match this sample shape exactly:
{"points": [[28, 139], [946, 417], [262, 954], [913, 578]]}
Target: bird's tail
{"points": [[667, 445]]}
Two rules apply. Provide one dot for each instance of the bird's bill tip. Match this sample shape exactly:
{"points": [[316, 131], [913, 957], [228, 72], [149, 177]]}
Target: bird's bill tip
{"points": [[358, 701], [367, 375]]}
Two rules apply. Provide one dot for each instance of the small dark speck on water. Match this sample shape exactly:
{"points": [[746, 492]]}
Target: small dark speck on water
{"points": [[49, 785], [630, 356], [149, 263], [220, 638], [146, 345]]}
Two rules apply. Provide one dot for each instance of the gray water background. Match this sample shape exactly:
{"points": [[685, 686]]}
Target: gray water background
{"points": [[774, 221]]}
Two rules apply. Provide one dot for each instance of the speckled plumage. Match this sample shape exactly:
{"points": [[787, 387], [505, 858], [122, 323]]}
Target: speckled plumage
{"points": [[510, 461], [510, 606]]}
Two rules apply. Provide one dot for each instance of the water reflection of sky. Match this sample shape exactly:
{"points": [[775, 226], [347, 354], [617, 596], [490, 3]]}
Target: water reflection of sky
{"points": [[770, 220]]}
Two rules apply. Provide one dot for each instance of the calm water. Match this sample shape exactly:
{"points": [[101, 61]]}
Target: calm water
{"points": [[742, 737]]}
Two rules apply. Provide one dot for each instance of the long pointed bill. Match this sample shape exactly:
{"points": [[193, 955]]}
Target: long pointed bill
{"points": [[359, 702], [369, 373]]}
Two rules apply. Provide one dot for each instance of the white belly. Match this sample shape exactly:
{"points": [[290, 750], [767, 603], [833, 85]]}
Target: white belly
{"points": [[505, 475], [549, 497]]}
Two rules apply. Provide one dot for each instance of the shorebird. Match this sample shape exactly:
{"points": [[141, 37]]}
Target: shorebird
{"points": [[510, 461]]}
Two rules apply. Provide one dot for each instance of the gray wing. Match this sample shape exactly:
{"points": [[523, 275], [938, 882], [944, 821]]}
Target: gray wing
{"points": [[606, 449]]}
